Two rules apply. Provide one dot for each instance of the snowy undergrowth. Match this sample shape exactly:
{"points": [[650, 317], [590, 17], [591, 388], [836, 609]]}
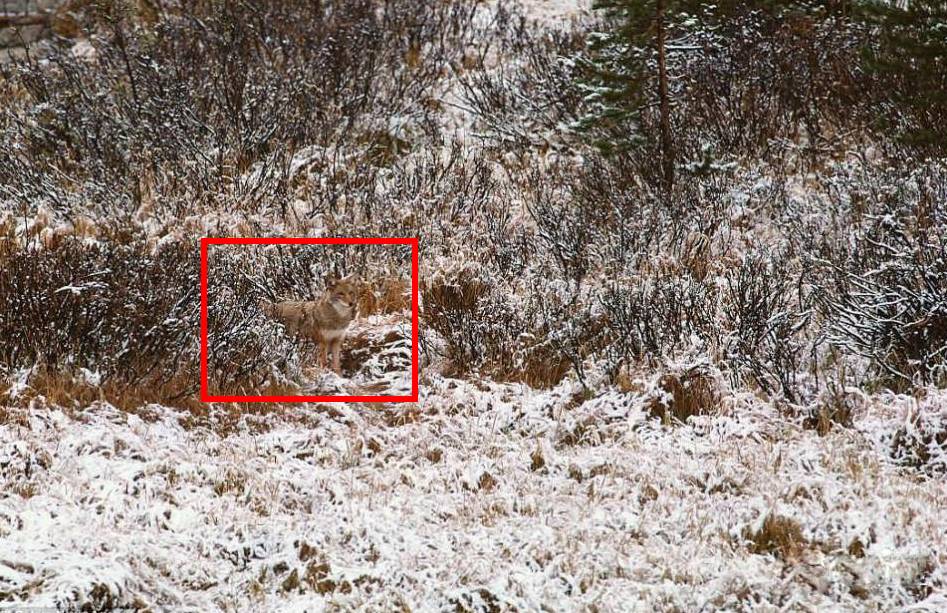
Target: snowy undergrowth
{"points": [[485, 496], [377, 362]]}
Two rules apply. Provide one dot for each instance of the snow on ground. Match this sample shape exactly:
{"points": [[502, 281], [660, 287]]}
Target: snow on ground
{"points": [[481, 497], [376, 360], [553, 12]]}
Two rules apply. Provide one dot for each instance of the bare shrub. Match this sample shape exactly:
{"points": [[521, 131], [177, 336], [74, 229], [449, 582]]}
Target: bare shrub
{"points": [[764, 338], [529, 98], [885, 299], [442, 197], [130, 318], [762, 79], [106, 307], [205, 106], [651, 317], [487, 329]]}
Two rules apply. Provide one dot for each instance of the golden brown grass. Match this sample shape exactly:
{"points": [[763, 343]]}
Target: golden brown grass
{"points": [[64, 389], [384, 296], [542, 369], [401, 414], [580, 433], [10, 415], [779, 536], [73, 395], [537, 461], [689, 393]]}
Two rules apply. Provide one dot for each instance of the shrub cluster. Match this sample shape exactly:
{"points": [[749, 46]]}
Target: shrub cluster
{"points": [[785, 244], [203, 105], [104, 307]]}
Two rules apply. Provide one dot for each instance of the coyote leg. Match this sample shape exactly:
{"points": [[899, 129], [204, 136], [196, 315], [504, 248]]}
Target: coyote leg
{"points": [[336, 362], [323, 355]]}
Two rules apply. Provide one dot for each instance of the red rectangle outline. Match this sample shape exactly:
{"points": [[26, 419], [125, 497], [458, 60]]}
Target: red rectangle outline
{"points": [[205, 388]]}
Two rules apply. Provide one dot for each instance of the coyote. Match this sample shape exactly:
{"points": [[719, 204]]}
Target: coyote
{"points": [[325, 320]]}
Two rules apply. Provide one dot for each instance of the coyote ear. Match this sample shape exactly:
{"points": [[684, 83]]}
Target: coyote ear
{"points": [[331, 280], [347, 278]]}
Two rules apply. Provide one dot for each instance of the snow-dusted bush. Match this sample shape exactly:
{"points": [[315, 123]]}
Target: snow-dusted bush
{"points": [[766, 319], [759, 80], [488, 329], [131, 317], [206, 106], [528, 98], [652, 317], [104, 307], [887, 299]]}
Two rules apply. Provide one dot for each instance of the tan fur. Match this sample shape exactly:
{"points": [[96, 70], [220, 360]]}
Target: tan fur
{"points": [[325, 321]]}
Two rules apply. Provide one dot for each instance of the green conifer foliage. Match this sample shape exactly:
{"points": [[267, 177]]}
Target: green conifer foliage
{"points": [[911, 58]]}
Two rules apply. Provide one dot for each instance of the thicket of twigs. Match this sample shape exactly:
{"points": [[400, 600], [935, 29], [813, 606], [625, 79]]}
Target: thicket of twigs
{"points": [[798, 243]]}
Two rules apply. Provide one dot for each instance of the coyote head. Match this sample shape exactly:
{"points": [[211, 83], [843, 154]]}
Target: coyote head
{"points": [[343, 292]]}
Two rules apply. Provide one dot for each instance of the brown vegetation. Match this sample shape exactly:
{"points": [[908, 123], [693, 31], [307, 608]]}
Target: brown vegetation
{"points": [[779, 536], [682, 395]]}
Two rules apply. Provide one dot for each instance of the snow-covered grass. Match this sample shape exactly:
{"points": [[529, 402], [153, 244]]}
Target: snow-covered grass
{"points": [[376, 360], [483, 497]]}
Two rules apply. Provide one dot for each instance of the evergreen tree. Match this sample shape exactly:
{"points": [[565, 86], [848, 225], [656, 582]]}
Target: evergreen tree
{"points": [[627, 67], [619, 71], [910, 57]]}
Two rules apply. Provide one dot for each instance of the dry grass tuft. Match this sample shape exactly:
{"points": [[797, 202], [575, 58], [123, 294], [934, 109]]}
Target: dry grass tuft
{"points": [[67, 390], [487, 482], [394, 295], [648, 493], [317, 576], [462, 293], [233, 481], [543, 370], [401, 415], [537, 461], [480, 600], [695, 255], [582, 432], [13, 416], [23, 490], [780, 536], [384, 296], [836, 407], [682, 395]]}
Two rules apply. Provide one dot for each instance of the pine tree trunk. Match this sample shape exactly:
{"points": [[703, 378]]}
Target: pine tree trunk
{"points": [[667, 150]]}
